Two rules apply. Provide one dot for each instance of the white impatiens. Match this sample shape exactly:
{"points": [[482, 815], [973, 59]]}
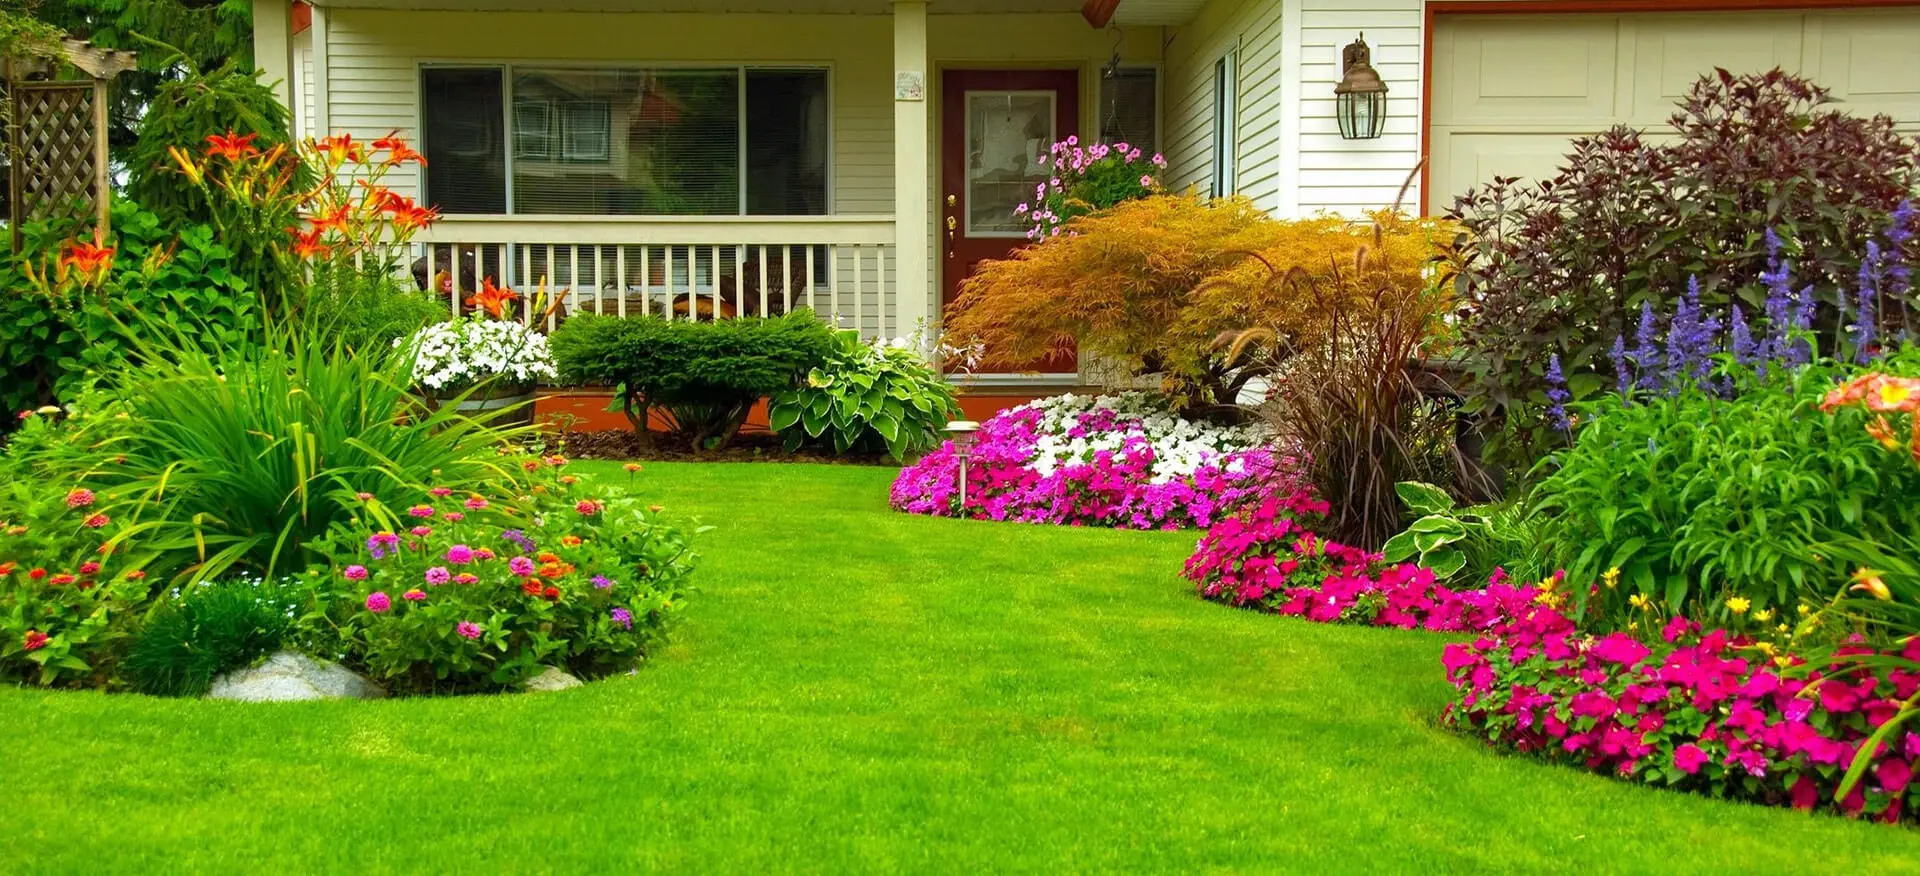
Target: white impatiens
{"points": [[1073, 428], [455, 355]]}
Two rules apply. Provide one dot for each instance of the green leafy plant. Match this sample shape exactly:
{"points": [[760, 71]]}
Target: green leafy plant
{"points": [[704, 377], [68, 599], [245, 454], [179, 116], [867, 397], [483, 590], [1461, 543], [202, 631], [1693, 500]]}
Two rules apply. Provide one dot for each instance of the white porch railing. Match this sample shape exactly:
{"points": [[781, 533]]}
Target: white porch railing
{"points": [[843, 268]]}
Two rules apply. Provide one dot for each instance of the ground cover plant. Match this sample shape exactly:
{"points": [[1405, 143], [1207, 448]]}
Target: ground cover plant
{"points": [[952, 684], [1126, 461]]}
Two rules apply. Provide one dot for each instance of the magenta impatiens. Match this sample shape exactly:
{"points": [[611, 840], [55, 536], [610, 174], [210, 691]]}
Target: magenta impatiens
{"points": [[1269, 558], [1710, 712], [1122, 461]]}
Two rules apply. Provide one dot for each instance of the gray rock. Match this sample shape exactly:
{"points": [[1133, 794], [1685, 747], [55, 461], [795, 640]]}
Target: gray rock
{"points": [[551, 679], [287, 677]]}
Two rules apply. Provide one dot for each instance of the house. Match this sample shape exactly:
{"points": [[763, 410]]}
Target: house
{"points": [[860, 156]]}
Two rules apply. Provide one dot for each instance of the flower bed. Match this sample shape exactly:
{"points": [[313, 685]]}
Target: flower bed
{"points": [[1270, 559], [1123, 461], [1714, 713]]}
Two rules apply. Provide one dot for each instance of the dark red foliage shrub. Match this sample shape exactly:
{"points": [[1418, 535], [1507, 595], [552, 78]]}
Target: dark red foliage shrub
{"points": [[1564, 265]]}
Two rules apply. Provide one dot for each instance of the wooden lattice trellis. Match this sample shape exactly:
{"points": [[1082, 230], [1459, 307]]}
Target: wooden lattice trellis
{"points": [[57, 138]]}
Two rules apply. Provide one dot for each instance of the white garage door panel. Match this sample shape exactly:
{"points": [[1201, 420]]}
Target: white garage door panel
{"points": [[1510, 91], [1671, 51]]}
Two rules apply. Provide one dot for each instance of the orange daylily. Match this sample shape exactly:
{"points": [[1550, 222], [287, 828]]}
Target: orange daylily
{"points": [[493, 299], [340, 147], [398, 152], [306, 244], [406, 215], [231, 146], [91, 261], [336, 219]]}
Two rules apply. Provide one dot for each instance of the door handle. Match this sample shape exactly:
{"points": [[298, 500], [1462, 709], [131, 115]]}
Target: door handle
{"points": [[951, 225]]}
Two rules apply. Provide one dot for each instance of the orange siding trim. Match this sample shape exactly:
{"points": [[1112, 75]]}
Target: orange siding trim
{"points": [[1437, 8]]}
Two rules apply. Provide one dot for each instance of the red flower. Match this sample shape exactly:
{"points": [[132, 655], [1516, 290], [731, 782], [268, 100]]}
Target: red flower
{"points": [[7, 568], [231, 147], [398, 152], [306, 244], [62, 578], [531, 586], [494, 300], [89, 567], [334, 220], [96, 521], [79, 498], [552, 594], [34, 641], [87, 258], [37, 574]]}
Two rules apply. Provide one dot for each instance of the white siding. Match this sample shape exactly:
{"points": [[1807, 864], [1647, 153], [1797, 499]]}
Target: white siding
{"points": [[373, 62], [1252, 28], [303, 84], [1355, 176]]}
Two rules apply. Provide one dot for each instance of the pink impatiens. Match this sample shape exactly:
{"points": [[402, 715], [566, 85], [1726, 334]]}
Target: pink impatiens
{"points": [[1713, 712], [1117, 461]]}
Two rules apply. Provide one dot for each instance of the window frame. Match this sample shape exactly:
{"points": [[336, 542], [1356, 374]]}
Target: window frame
{"points": [[508, 70], [1226, 124]]}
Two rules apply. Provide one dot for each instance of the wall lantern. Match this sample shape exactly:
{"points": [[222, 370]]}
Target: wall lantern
{"points": [[1361, 95], [964, 433]]}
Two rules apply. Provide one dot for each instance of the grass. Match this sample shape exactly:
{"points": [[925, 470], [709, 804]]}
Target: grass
{"points": [[860, 691]]}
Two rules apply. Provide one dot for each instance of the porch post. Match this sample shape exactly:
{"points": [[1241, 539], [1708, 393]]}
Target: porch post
{"points": [[912, 170], [272, 47]]}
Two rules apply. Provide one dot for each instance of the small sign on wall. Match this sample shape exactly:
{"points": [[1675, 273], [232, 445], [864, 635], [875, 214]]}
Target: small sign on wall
{"points": [[909, 85]]}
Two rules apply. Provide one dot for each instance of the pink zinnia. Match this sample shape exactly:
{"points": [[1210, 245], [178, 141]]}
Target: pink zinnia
{"points": [[588, 507], [96, 521], [378, 602], [484, 554], [438, 575], [454, 516], [414, 595], [466, 578], [421, 531], [476, 503], [422, 511], [468, 629], [355, 573], [520, 566], [79, 498], [441, 491], [459, 555]]}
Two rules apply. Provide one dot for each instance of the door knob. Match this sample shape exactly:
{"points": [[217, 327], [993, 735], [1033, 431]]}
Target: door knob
{"points": [[951, 202]]}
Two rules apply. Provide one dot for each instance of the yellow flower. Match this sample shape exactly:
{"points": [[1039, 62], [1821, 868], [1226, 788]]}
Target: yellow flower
{"points": [[1611, 577], [1893, 395], [1868, 581], [1804, 609], [1782, 661], [1783, 629], [1764, 615], [1638, 600], [1738, 604]]}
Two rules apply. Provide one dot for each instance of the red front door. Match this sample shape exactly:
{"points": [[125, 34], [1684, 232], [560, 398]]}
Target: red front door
{"points": [[994, 126]]}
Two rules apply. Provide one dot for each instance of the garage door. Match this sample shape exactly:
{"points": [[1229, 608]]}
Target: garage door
{"points": [[1510, 91]]}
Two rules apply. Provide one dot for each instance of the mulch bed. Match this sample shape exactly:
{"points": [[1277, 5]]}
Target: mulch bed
{"points": [[748, 447]]}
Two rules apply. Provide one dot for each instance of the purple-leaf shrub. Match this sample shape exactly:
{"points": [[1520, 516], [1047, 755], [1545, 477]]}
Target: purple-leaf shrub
{"points": [[1120, 461], [1709, 711]]}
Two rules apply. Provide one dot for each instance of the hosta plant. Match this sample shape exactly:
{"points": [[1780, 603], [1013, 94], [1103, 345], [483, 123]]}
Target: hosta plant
{"points": [[868, 396]]}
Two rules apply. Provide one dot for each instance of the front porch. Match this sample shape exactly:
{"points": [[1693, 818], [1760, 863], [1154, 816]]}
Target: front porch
{"points": [[699, 158]]}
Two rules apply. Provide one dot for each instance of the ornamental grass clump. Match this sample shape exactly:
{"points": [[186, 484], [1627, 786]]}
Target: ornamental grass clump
{"points": [[1125, 461]]}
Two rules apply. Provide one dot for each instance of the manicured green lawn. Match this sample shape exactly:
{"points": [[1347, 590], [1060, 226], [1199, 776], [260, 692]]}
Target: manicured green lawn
{"points": [[860, 691]]}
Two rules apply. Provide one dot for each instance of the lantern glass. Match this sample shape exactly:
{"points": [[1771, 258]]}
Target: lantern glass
{"points": [[1363, 115]]}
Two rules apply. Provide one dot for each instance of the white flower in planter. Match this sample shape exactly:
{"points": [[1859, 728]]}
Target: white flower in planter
{"points": [[451, 356]]}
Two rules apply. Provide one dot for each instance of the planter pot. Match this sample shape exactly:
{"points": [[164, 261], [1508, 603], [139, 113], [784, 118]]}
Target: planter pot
{"points": [[496, 405]]}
